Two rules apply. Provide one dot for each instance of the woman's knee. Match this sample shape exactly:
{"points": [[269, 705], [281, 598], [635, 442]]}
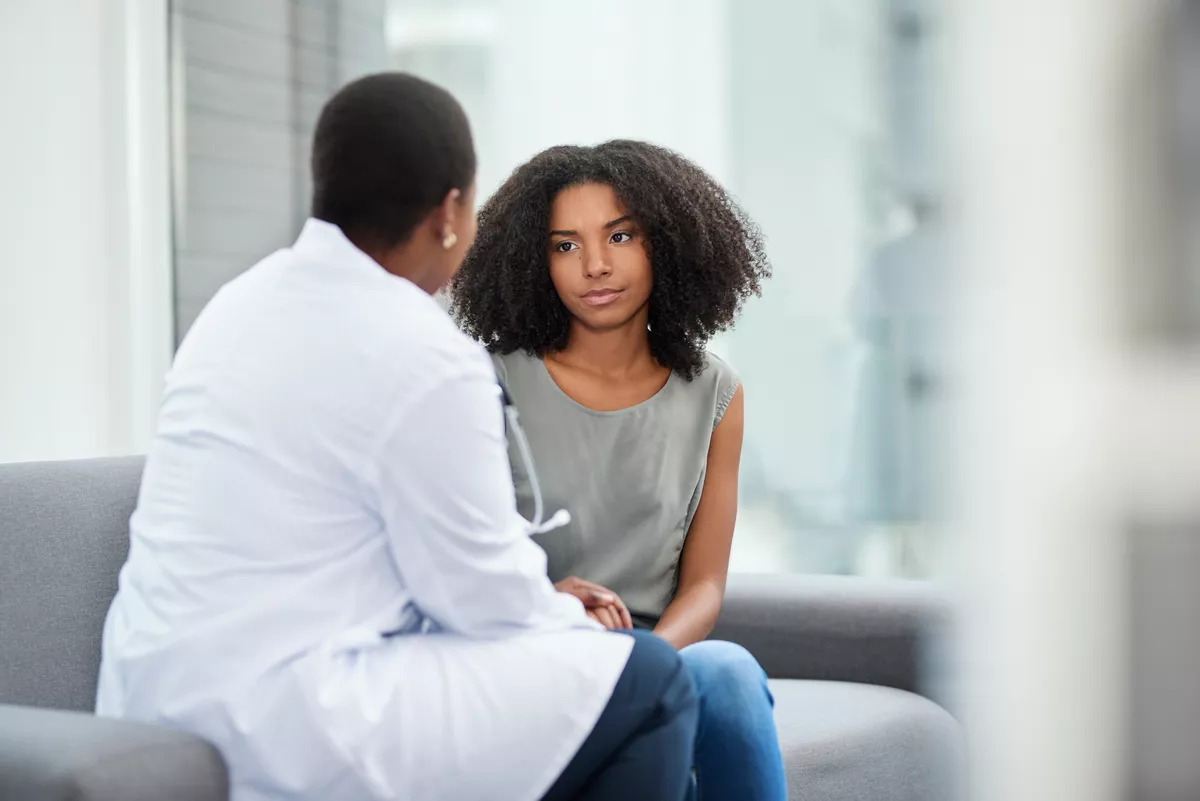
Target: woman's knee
{"points": [[716, 664]]}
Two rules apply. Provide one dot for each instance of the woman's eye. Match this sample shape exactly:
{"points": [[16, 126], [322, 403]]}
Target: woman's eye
{"points": [[564, 247], [621, 236]]}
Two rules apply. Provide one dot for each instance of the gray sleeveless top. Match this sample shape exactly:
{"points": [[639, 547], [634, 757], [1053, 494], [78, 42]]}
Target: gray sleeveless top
{"points": [[631, 479]]}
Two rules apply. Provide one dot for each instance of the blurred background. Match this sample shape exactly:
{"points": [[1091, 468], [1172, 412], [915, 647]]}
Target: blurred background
{"points": [[977, 360]]}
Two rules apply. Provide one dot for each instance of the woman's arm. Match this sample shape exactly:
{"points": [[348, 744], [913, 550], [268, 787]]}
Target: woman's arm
{"points": [[705, 559]]}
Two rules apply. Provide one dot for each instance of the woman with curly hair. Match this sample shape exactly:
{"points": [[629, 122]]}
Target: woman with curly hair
{"points": [[598, 276]]}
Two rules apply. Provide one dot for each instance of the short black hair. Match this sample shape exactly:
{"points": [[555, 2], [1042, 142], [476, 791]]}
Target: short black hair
{"points": [[706, 254], [387, 149]]}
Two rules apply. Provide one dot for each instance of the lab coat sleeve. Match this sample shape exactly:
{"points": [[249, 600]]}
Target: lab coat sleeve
{"points": [[447, 501]]}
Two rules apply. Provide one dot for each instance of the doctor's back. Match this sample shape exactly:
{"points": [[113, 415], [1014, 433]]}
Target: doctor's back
{"points": [[259, 489], [302, 512]]}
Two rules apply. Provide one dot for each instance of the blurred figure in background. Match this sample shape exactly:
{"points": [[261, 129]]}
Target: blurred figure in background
{"points": [[898, 310], [328, 577], [599, 275]]}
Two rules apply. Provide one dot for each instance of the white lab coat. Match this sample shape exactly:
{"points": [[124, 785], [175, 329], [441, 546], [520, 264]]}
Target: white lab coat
{"points": [[330, 469]]}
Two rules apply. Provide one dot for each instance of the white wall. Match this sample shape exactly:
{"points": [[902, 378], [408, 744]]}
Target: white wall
{"points": [[536, 73], [582, 73], [85, 325]]}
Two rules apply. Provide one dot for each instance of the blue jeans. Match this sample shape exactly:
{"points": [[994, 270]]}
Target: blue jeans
{"points": [[737, 747]]}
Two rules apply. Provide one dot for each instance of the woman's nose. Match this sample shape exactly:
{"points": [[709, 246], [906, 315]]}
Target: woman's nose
{"points": [[595, 265]]}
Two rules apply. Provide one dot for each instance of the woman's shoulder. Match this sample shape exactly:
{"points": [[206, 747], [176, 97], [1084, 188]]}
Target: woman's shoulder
{"points": [[513, 367], [718, 381], [718, 370]]}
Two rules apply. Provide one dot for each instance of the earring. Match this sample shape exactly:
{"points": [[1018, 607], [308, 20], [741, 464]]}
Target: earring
{"points": [[450, 241]]}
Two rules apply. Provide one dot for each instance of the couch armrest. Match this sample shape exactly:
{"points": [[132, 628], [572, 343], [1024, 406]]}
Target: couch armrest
{"points": [[834, 628], [48, 755]]}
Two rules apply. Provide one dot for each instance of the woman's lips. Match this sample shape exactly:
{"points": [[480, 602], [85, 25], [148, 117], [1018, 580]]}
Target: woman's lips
{"points": [[602, 297]]}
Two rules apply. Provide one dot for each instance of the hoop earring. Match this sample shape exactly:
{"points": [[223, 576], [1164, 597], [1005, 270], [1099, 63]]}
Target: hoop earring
{"points": [[450, 241]]}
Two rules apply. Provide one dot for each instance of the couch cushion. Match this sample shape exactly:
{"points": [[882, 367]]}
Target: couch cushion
{"points": [[859, 742], [47, 755], [64, 534], [866, 631]]}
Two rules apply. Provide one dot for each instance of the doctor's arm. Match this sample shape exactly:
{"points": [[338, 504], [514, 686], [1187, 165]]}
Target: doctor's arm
{"points": [[704, 564], [446, 496]]}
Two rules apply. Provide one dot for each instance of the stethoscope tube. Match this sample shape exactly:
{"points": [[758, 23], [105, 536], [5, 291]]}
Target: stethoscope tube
{"points": [[513, 420]]}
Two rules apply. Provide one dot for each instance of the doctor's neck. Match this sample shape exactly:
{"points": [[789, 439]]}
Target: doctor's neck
{"points": [[423, 267], [431, 251]]}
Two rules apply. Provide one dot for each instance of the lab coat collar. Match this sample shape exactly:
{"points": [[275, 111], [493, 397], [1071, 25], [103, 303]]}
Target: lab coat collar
{"points": [[324, 242]]}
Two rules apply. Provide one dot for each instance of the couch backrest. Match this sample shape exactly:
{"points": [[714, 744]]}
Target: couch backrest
{"points": [[64, 534]]}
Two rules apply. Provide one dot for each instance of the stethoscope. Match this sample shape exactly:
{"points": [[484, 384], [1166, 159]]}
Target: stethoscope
{"points": [[536, 526]]}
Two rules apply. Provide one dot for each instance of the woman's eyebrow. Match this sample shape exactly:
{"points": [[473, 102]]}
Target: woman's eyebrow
{"points": [[613, 224]]}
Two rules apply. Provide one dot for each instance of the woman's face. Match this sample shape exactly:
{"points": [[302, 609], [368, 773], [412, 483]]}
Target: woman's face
{"points": [[599, 259]]}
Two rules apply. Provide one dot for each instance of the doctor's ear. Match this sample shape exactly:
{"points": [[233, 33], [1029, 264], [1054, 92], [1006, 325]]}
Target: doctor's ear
{"points": [[448, 214], [455, 219]]}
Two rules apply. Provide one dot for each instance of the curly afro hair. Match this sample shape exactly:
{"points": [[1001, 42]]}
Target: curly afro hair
{"points": [[706, 254]]}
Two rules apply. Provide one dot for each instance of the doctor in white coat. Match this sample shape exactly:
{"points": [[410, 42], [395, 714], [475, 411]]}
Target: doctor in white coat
{"points": [[328, 577]]}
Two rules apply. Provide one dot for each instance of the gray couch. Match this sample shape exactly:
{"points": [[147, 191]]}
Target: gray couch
{"points": [[844, 655]]}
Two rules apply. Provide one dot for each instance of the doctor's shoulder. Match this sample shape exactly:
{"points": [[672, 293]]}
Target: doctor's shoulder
{"points": [[449, 351], [411, 342]]}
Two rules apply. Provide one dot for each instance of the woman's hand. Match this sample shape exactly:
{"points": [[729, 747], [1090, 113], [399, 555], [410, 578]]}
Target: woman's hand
{"points": [[602, 604], [606, 616]]}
